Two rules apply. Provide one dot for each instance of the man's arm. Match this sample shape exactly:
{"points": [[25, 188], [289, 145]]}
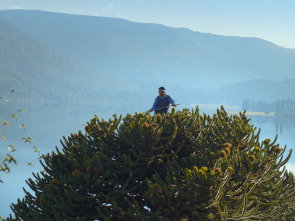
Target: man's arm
{"points": [[171, 101], [154, 105]]}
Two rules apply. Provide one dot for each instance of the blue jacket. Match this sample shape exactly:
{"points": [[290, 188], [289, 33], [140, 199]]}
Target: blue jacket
{"points": [[162, 103]]}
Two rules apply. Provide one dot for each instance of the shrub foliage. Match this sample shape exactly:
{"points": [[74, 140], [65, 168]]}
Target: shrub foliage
{"points": [[181, 166]]}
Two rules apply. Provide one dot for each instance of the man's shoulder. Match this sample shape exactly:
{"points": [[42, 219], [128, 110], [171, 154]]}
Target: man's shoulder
{"points": [[165, 97]]}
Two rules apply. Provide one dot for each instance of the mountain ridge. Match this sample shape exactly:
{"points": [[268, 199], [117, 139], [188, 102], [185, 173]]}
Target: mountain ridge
{"points": [[39, 73], [154, 53], [141, 68]]}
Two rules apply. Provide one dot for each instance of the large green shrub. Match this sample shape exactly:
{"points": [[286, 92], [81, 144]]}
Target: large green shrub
{"points": [[183, 166]]}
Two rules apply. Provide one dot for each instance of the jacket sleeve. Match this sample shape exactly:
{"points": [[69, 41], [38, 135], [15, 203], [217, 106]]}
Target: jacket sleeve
{"points": [[154, 105], [171, 101]]}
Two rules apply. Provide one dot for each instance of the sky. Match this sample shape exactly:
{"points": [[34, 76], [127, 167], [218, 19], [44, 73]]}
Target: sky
{"points": [[272, 20]]}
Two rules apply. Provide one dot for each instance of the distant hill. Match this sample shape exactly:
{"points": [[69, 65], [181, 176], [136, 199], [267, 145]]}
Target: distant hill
{"points": [[281, 107], [151, 55], [86, 58], [38, 73], [258, 90]]}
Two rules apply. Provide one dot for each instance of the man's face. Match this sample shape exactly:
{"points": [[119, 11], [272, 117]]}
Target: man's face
{"points": [[162, 93]]}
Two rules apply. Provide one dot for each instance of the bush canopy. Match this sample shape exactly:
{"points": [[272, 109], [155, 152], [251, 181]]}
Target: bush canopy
{"points": [[180, 166]]}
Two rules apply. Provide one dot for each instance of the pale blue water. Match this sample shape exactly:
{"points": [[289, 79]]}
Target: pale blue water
{"points": [[48, 122]]}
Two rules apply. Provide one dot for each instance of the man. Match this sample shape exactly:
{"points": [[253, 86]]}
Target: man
{"points": [[162, 102]]}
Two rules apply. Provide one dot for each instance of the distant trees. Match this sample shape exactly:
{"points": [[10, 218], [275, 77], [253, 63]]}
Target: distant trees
{"points": [[281, 107], [183, 166], [285, 107]]}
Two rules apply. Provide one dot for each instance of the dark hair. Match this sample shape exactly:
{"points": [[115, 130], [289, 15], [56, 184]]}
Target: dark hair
{"points": [[162, 88]]}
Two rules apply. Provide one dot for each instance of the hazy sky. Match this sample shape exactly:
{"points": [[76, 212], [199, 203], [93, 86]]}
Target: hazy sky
{"points": [[271, 20]]}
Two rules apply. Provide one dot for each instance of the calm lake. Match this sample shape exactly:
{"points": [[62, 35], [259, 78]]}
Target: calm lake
{"points": [[48, 122]]}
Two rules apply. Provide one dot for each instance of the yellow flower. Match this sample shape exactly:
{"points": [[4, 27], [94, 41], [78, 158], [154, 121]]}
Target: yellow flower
{"points": [[252, 157], [87, 128], [195, 169], [145, 125], [278, 150], [159, 117], [202, 172], [257, 149], [205, 169], [188, 173], [218, 171], [226, 145], [160, 161], [266, 141], [227, 150], [222, 153], [212, 173]]}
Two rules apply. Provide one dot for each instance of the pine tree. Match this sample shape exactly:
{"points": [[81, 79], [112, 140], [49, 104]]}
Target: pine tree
{"points": [[181, 166]]}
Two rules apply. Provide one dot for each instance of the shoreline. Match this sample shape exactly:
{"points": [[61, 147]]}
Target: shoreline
{"points": [[252, 113]]}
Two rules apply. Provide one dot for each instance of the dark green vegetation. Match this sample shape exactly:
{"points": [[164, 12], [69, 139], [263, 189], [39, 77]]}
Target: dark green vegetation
{"points": [[185, 166]]}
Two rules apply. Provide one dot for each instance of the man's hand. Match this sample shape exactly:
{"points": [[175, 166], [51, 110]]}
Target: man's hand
{"points": [[174, 104]]}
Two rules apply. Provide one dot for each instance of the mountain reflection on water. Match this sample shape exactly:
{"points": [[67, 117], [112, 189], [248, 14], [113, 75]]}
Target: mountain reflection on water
{"points": [[48, 122]]}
